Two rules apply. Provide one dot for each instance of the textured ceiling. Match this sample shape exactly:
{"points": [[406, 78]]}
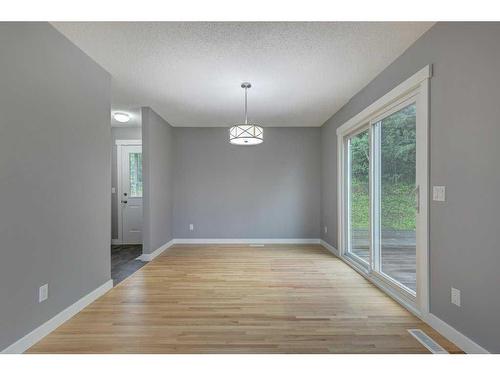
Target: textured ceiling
{"points": [[190, 73]]}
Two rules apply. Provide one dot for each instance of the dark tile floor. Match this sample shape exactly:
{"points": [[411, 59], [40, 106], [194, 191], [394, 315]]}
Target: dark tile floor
{"points": [[123, 261]]}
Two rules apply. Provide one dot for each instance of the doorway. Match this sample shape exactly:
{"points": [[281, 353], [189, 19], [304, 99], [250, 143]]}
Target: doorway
{"points": [[383, 180], [129, 159], [129, 195]]}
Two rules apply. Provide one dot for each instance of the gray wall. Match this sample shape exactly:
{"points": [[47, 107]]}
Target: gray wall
{"points": [[118, 133], [55, 173], [158, 165], [464, 156], [267, 191]]}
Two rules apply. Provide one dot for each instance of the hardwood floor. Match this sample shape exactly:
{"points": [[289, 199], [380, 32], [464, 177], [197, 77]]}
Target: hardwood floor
{"points": [[241, 299]]}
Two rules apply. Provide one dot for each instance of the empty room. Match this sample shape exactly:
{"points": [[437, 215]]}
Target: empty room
{"points": [[244, 187]]}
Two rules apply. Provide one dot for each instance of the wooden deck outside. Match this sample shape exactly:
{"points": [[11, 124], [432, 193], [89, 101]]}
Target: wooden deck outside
{"points": [[398, 249], [241, 299]]}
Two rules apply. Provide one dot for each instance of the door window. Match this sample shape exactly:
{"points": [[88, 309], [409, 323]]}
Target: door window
{"points": [[135, 175]]}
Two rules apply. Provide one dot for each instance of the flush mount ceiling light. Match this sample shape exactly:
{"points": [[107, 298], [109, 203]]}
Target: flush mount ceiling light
{"points": [[246, 134], [121, 117]]}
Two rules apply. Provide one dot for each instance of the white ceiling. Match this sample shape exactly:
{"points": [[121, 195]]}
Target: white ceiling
{"points": [[190, 72]]}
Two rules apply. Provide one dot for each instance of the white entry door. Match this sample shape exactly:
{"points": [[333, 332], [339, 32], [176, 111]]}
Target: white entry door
{"points": [[130, 194]]}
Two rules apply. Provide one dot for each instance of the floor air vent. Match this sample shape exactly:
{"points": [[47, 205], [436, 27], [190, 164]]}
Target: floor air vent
{"points": [[426, 341]]}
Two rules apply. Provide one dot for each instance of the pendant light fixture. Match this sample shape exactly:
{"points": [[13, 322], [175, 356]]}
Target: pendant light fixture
{"points": [[246, 134]]}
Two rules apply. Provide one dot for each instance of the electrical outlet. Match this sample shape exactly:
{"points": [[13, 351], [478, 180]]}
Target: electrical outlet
{"points": [[326, 229], [113, 190], [191, 227], [439, 193], [43, 293], [455, 296]]}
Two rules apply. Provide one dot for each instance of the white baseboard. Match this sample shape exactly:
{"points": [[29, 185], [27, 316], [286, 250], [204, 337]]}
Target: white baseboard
{"points": [[456, 337], [39, 333], [247, 241], [149, 257], [330, 248], [188, 241]]}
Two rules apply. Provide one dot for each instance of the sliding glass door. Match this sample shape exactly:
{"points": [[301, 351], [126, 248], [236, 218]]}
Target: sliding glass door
{"points": [[358, 245], [395, 196], [382, 181]]}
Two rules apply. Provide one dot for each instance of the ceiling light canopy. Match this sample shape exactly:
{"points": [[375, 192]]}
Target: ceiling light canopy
{"points": [[121, 117], [246, 134]]}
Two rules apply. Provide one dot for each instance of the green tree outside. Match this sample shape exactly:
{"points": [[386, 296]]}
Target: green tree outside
{"points": [[398, 158]]}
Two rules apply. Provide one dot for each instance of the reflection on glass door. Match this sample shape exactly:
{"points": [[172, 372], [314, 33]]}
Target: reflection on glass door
{"points": [[395, 190], [358, 197]]}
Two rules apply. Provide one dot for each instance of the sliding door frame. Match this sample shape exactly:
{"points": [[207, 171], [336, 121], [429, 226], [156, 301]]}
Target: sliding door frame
{"points": [[414, 89], [347, 182]]}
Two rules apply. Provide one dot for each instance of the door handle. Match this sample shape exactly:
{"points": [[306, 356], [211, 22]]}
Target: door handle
{"points": [[417, 198], [124, 201]]}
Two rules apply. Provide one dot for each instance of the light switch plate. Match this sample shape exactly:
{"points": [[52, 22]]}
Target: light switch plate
{"points": [[455, 296], [43, 293], [439, 193], [191, 227], [326, 229]]}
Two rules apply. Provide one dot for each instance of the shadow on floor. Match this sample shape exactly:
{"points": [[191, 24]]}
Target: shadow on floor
{"points": [[124, 262]]}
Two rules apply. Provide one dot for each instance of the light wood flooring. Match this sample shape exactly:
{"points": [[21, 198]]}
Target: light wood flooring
{"points": [[242, 299]]}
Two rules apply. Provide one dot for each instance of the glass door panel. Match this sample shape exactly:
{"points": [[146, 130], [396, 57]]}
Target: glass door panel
{"points": [[135, 174], [359, 197], [395, 188]]}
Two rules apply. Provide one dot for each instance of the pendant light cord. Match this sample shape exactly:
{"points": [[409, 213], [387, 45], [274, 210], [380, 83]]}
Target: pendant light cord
{"points": [[246, 116]]}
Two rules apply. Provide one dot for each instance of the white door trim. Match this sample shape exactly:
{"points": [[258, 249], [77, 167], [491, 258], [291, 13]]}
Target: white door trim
{"points": [[128, 142], [119, 152], [378, 106], [418, 86]]}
